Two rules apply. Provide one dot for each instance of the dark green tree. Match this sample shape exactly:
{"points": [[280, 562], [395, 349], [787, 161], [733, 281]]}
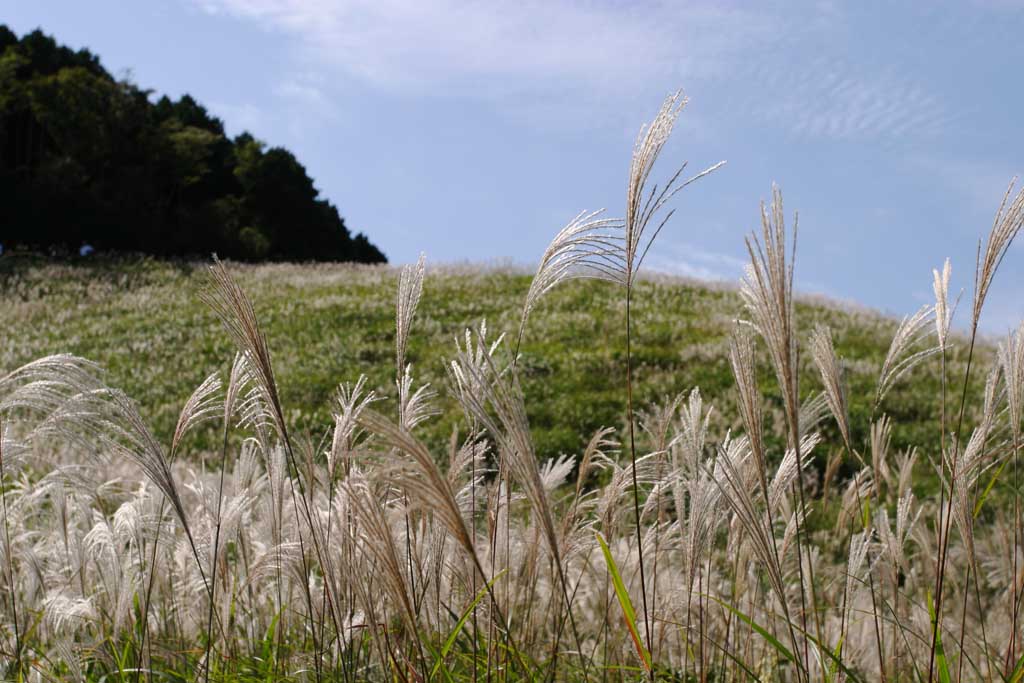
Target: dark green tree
{"points": [[85, 157]]}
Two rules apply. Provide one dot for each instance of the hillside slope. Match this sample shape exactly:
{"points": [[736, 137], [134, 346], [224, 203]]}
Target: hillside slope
{"points": [[143, 321]]}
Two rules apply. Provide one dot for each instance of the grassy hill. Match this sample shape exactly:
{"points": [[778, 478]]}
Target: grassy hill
{"points": [[144, 322], [392, 521]]}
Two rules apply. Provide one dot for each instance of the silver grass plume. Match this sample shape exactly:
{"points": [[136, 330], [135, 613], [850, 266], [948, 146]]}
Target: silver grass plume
{"points": [[741, 356], [379, 543], [1011, 358], [728, 476], [813, 411], [970, 464], [482, 387], [695, 422], [202, 405], [413, 407], [237, 380], [230, 303], [641, 205], [788, 470], [900, 360], [426, 485], [1007, 224], [894, 541], [352, 400], [880, 440], [589, 247], [824, 355], [767, 292], [410, 290], [45, 384], [859, 545], [943, 310]]}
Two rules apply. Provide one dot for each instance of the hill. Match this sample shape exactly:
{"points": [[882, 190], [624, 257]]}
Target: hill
{"points": [[326, 324], [87, 158]]}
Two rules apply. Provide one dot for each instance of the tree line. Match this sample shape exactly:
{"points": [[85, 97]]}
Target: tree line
{"points": [[88, 158]]}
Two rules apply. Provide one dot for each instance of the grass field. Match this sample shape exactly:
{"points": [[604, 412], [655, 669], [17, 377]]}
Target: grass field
{"points": [[142, 320], [331, 472]]}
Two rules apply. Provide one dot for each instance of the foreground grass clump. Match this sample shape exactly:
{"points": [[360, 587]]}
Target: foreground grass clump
{"points": [[556, 500]]}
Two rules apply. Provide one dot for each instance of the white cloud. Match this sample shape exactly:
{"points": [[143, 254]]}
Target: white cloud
{"points": [[529, 45], [524, 53]]}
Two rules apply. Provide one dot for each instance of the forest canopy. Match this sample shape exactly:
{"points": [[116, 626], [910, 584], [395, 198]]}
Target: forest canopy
{"points": [[86, 158]]}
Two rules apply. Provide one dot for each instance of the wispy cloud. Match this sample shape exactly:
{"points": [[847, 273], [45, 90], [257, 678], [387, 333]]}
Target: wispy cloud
{"points": [[534, 45], [691, 260], [830, 98], [523, 51]]}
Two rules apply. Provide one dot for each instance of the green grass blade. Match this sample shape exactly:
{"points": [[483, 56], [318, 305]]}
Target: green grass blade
{"points": [[1018, 671], [763, 632], [450, 640], [628, 613], [988, 488], [940, 653]]}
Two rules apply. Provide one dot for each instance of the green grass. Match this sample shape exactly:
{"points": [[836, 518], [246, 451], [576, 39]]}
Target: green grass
{"points": [[143, 321]]}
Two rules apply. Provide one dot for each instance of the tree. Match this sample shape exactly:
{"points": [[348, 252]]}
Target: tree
{"points": [[86, 157]]}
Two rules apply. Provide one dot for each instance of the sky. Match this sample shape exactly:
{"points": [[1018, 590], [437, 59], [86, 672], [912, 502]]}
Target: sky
{"points": [[474, 131]]}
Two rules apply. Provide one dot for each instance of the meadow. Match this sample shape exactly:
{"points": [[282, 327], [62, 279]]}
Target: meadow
{"points": [[216, 471]]}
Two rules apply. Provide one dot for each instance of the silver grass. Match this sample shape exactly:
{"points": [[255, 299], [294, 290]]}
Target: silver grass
{"points": [[692, 437], [589, 247], [813, 411], [352, 400], [767, 293], [880, 440], [824, 355], [1011, 358], [642, 205], [595, 456], [238, 377], [425, 483], [483, 388], [112, 419], [202, 405], [860, 543], [943, 310], [728, 478], [1007, 224], [856, 492], [415, 407], [969, 463], [410, 290], [894, 540], [378, 542], [741, 357], [906, 460], [788, 470], [659, 420], [67, 613], [555, 471], [900, 359], [235, 310]]}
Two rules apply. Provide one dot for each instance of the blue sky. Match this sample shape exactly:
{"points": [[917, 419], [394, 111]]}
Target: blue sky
{"points": [[475, 130]]}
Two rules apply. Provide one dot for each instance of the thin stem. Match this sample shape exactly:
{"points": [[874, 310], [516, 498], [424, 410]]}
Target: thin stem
{"points": [[10, 558], [632, 455], [216, 547], [944, 523]]}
